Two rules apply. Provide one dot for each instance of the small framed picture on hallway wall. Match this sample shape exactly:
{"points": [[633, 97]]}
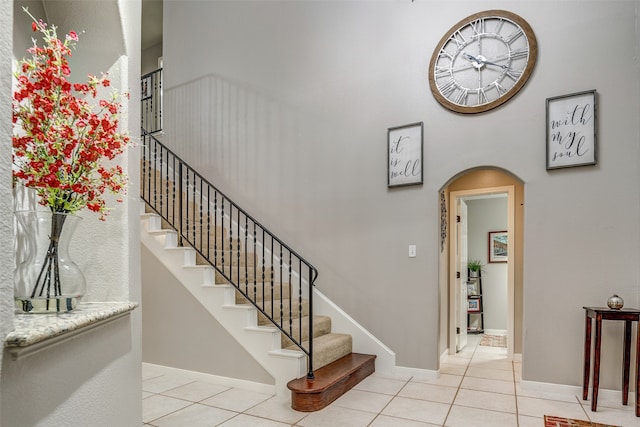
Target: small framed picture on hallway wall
{"points": [[404, 149], [498, 246]]}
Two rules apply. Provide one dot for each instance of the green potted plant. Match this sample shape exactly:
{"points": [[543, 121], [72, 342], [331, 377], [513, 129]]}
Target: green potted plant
{"points": [[475, 267]]}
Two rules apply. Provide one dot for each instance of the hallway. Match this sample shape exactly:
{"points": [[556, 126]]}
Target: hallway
{"points": [[477, 387]]}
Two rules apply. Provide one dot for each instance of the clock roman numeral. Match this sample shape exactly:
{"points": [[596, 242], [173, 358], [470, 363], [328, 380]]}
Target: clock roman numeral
{"points": [[482, 97], [444, 54], [519, 53], [499, 26], [458, 39], [501, 90], [513, 74], [441, 71], [447, 88], [478, 27], [513, 36], [461, 99]]}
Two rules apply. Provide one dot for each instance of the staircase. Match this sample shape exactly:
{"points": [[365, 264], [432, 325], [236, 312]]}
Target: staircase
{"points": [[255, 286]]}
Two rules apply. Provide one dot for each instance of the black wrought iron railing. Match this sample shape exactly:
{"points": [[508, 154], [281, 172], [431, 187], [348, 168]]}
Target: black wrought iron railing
{"points": [[265, 271], [151, 101]]}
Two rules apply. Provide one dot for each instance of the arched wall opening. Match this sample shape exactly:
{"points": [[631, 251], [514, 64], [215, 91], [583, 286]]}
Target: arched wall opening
{"points": [[482, 180]]}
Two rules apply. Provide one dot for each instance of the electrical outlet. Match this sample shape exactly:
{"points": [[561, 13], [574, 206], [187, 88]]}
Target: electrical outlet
{"points": [[412, 251]]}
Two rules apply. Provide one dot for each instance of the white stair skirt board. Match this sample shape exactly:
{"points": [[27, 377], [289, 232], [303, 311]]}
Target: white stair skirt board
{"points": [[363, 341], [262, 342], [239, 321]]}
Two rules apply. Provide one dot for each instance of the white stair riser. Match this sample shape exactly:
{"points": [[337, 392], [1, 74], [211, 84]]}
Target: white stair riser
{"points": [[239, 321]]}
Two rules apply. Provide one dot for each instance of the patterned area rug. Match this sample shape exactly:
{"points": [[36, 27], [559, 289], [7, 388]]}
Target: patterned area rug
{"points": [[493, 340], [551, 421]]}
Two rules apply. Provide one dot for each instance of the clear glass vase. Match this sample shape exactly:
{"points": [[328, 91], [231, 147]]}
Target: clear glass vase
{"points": [[46, 279]]}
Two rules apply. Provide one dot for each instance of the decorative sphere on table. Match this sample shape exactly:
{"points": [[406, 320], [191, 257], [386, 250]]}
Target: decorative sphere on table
{"points": [[615, 302]]}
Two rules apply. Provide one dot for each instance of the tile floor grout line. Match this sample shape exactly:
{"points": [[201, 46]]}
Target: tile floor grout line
{"points": [[583, 409], [391, 400], [444, 423], [515, 392], [170, 413]]}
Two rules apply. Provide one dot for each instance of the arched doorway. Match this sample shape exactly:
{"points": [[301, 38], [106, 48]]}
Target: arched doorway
{"points": [[478, 183]]}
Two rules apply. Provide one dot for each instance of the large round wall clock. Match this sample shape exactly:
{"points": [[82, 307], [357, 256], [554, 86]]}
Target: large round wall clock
{"points": [[482, 61]]}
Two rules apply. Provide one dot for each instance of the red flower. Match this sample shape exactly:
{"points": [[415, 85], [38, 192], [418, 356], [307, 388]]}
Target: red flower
{"points": [[59, 142]]}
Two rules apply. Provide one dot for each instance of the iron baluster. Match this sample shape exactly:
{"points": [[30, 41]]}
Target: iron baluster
{"points": [[193, 208], [161, 164], [222, 232], [215, 227], [208, 223], [246, 266]]}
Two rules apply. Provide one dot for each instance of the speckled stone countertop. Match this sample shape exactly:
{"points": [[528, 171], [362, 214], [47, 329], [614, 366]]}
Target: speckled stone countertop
{"points": [[31, 329]]}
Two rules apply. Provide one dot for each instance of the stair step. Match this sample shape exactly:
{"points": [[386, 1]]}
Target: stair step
{"points": [[241, 275], [226, 257], [328, 348], [321, 326], [283, 318], [262, 293], [330, 382]]}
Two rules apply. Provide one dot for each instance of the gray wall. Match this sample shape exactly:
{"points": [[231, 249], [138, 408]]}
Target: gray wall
{"points": [[285, 106], [150, 58]]}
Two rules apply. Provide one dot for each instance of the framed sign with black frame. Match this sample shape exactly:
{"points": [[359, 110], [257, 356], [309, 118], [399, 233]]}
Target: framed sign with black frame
{"points": [[571, 130], [404, 149]]}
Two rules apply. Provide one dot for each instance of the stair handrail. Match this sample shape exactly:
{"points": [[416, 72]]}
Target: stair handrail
{"points": [[161, 171]]}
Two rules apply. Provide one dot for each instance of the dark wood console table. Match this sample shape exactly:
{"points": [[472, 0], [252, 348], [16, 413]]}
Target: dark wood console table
{"points": [[628, 315]]}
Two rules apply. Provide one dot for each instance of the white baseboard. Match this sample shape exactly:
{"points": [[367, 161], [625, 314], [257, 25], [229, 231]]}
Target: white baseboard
{"points": [[209, 378], [416, 372], [572, 390]]}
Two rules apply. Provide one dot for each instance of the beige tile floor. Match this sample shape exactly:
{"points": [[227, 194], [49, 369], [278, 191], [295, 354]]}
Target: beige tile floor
{"points": [[477, 387]]}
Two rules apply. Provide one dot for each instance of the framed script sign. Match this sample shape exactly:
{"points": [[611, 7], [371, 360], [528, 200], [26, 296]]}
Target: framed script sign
{"points": [[571, 130], [405, 155]]}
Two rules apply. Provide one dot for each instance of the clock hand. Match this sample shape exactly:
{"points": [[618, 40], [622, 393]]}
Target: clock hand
{"points": [[471, 57], [480, 60], [497, 65]]}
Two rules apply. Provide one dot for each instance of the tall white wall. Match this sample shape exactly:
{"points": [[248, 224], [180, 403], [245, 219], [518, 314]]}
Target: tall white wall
{"points": [[95, 377], [285, 106]]}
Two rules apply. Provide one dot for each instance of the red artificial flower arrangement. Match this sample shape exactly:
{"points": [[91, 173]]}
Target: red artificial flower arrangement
{"points": [[63, 139]]}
